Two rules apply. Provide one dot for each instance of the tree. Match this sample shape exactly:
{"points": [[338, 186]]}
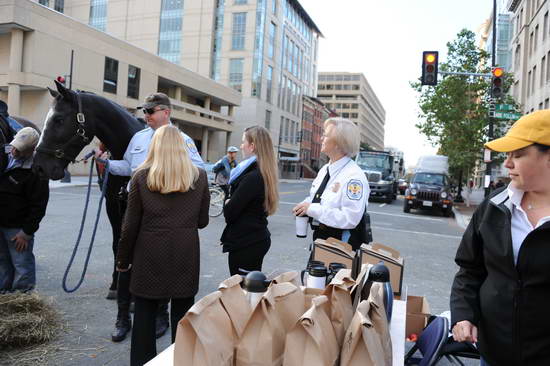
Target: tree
{"points": [[454, 113]]}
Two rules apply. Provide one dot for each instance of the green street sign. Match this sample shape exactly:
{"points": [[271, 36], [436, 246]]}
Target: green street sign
{"points": [[504, 107], [507, 116]]}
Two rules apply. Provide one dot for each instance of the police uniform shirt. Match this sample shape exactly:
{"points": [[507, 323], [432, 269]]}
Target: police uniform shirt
{"points": [[345, 197], [136, 153]]}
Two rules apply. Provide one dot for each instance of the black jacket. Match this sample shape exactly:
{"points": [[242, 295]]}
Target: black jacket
{"points": [[244, 213], [23, 199], [508, 303]]}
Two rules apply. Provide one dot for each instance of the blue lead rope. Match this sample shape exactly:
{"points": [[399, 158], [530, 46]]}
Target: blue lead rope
{"points": [[75, 250]]}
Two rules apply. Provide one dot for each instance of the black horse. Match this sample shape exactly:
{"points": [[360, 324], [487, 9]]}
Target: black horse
{"points": [[74, 119]]}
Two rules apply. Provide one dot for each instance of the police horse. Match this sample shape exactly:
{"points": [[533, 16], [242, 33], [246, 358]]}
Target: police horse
{"points": [[73, 120]]}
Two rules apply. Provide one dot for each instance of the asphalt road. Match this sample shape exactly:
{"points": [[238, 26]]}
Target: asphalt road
{"points": [[427, 243]]}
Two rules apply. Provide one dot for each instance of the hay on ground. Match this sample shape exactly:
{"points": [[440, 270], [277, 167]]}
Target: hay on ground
{"points": [[26, 319]]}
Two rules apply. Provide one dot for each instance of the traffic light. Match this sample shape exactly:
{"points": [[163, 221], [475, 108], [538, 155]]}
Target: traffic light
{"points": [[429, 67], [61, 79], [496, 82]]}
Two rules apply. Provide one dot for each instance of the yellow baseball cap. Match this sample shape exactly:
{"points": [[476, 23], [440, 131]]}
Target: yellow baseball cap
{"points": [[529, 129]]}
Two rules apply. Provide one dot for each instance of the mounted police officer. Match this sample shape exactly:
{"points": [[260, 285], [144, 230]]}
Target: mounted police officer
{"points": [[157, 109]]}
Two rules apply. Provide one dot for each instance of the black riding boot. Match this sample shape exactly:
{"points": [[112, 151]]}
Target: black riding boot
{"points": [[123, 326], [162, 320]]}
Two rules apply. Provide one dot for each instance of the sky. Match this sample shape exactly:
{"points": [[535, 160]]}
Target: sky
{"points": [[384, 40]]}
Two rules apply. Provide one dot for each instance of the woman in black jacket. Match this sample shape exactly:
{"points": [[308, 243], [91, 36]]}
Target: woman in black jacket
{"points": [[253, 196], [501, 292]]}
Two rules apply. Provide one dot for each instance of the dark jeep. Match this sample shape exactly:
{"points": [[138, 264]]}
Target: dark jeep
{"points": [[430, 191]]}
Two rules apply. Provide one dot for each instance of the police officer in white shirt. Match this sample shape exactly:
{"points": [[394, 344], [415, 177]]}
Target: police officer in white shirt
{"points": [[157, 108], [339, 195]]}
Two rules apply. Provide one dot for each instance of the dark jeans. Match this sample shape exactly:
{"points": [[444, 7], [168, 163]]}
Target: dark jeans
{"points": [[17, 269], [249, 258], [144, 343]]}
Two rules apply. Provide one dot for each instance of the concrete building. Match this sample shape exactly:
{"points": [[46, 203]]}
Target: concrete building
{"points": [[314, 114], [35, 47], [351, 96], [531, 53], [265, 49]]}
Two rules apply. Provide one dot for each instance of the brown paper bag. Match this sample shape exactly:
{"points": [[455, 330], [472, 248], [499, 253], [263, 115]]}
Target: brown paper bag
{"points": [[263, 340], [205, 336], [340, 303], [312, 342], [380, 320], [309, 295], [291, 276], [363, 345], [235, 303]]}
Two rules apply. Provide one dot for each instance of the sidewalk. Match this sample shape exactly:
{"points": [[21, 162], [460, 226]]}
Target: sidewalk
{"points": [[76, 181], [463, 213]]}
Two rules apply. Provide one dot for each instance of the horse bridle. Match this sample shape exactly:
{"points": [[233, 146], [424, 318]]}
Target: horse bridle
{"points": [[80, 134]]}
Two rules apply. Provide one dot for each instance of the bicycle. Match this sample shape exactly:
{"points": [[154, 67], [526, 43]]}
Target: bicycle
{"points": [[217, 198]]}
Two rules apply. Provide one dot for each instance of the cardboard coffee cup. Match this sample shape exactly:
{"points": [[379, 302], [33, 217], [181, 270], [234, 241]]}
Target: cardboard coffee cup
{"points": [[301, 226]]}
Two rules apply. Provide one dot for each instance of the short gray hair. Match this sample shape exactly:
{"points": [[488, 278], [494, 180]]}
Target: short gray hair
{"points": [[346, 135]]}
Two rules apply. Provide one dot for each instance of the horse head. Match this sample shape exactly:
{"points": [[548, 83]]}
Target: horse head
{"points": [[64, 135]]}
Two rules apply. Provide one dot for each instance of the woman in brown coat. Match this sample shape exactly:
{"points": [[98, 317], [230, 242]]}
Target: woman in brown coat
{"points": [[167, 204]]}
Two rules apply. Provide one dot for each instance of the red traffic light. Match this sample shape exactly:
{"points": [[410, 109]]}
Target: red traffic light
{"points": [[60, 79]]}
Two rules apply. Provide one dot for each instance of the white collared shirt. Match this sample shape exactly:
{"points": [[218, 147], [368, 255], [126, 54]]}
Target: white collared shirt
{"points": [[521, 226], [345, 197], [137, 149]]}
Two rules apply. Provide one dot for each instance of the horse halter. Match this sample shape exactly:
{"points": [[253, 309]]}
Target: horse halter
{"points": [[79, 135]]}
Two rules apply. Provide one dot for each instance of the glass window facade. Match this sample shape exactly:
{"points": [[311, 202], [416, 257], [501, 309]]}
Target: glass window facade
{"points": [[258, 64], [239, 31], [240, 2], [98, 14], [59, 5], [236, 73], [171, 21], [133, 81], [269, 78], [44, 2], [110, 75], [268, 119], [272, 37], [217, 46]]}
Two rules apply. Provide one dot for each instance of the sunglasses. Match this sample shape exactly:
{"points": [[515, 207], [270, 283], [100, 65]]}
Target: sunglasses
{"points": [[151, 110]]}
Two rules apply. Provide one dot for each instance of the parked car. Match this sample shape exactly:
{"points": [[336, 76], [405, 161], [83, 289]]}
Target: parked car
{"points": [[402, 186], [429, 191]]}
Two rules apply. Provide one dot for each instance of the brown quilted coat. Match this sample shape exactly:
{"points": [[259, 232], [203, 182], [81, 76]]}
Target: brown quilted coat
{"points": [[160, 238]]}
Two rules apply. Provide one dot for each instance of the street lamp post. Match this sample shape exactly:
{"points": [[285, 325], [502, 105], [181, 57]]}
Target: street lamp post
{"points": [[490, 131]]}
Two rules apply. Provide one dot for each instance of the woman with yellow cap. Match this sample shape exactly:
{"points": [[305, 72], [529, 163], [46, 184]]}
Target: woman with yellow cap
{"points": [[501, 293]]}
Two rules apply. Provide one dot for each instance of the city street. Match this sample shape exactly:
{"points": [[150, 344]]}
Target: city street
{"points": [[427, 242]]}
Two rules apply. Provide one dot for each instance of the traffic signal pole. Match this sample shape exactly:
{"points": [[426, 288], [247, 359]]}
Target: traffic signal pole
{"points": [[488, 166]]}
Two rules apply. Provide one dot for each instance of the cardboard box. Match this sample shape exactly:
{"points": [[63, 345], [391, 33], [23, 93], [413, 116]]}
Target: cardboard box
{"points": [[333, 250], [376, 252], [418, 312]]}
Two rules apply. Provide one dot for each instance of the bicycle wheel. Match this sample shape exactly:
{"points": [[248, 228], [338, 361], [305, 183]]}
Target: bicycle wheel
{"points": [[217, 197]]}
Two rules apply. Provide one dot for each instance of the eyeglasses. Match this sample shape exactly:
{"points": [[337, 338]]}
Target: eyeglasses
{"points": [[151, 110]]}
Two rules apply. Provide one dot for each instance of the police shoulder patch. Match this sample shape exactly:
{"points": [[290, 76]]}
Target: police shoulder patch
{"points": [[355, 189]]}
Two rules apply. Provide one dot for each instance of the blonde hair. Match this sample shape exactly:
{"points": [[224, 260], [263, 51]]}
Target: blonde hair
{"points": [[346, 135], [169, 164], [267, 163]]}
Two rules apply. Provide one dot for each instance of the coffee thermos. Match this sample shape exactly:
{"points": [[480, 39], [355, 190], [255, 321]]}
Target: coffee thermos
{"points": [[333, 269], [317, 277], [255, 284]]}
